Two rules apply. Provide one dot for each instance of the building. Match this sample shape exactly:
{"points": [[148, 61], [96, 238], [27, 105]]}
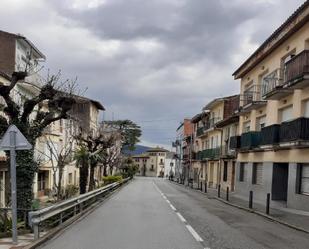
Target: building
{"points": [[183, 150], [17, 53], [152, 163], [170, 163], [213, 161], [273, 134]]}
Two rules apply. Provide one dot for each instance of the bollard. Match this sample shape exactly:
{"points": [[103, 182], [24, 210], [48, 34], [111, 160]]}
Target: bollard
{"points": [[251, 199], [227, 193], [267, 203], [201, 186], [219, 190], [205, 190]]}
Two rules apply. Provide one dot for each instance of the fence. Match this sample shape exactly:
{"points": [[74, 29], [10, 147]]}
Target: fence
{"points": [[60, 212]]}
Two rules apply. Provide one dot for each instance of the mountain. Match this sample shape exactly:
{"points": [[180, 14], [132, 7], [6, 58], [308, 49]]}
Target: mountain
{"points": [[139, 149]]}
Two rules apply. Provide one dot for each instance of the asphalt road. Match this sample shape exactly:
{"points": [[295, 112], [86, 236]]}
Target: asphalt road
{"points": [[152, 213]]}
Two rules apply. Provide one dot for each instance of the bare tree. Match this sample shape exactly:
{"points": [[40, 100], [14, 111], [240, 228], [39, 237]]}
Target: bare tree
{"points": [[52, 102]]}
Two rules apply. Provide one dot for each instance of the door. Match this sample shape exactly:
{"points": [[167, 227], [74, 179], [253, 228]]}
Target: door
{"points": [[211, 174], [280, 178]]}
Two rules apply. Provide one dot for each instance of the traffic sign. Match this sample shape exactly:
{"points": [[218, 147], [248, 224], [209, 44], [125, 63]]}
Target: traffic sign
{"points": [[21, 142]]}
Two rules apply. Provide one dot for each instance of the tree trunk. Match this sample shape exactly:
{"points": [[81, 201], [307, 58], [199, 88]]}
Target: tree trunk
{"points": [[83, 178], [91, 178], [59, 185]]}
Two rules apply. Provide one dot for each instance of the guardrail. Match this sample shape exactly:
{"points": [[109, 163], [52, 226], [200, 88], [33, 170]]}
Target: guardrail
{"points": [[65, 210]]}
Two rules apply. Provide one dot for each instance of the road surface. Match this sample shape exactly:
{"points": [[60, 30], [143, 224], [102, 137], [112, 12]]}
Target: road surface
{"points": [[152, 213]]}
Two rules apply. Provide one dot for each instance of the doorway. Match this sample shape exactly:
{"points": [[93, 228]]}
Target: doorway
{"points": [[280, 178]]}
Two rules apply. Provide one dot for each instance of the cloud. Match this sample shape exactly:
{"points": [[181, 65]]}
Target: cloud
{"points": [[159, 60]]}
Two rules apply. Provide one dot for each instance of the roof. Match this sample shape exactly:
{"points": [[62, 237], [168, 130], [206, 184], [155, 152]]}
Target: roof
{"points": [[197, 118], [227, 121], [290, 26], [214, 102], [157, 149], [140, 155], [95, 102]]}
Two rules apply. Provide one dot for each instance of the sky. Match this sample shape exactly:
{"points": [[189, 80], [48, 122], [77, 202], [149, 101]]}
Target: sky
{"points": [[152, 61]]}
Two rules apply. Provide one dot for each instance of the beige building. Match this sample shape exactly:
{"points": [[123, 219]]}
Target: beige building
{"points": [[151, 163], [274, 117], [213, 161]]}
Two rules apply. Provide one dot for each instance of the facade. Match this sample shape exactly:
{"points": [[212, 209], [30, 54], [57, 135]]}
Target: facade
{"points": [[213, 160], [273, 137], [170, 163], [152, 163], [17, 53], [183, 145]]}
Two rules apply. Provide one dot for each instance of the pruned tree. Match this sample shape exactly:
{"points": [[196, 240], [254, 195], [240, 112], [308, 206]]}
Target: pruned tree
{"points": [[94, 146], [59, 157], [52, 103]]}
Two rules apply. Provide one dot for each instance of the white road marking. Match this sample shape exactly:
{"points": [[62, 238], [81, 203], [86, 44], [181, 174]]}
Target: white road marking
{"points": [[172, 207], [194, 233], [181, 217]]}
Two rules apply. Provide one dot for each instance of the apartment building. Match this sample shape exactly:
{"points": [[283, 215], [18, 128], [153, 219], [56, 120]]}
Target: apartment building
{"points": [[273, 129], [152, 163], [213, 129]]}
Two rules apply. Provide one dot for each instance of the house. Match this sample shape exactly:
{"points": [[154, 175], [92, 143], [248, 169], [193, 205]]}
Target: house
{"points": [[17, 53], [213, 161], [170, 163], [273, 136], [152, 163], [183, 150]]}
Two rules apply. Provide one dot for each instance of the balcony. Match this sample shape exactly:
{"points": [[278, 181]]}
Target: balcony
{"points": [[200, 131], [234, 142], [297, 71], [270, 135], [212, 122], [295, 131], [273, 85], [226, 152], [211, 154], [251, 99], [250, 140]]}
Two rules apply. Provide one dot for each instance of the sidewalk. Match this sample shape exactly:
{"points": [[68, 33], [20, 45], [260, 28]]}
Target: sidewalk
{"points": [[290, 217], [23, 240]]}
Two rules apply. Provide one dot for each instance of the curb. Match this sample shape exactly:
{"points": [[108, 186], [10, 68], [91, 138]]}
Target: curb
{"points": [[248, 209], [66, 225]]}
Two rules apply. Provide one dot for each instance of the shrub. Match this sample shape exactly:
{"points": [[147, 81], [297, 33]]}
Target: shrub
{"points": [[70, 191], [111, 179]]}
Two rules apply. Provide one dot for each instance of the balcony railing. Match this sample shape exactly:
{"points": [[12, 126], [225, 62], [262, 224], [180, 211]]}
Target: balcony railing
{"points": [[200, 131], [297, 67], [251, 95], [213, 153], [234, 142], [250, 140], [272, 81], [270, 135], [295, 130], [211, 122]]}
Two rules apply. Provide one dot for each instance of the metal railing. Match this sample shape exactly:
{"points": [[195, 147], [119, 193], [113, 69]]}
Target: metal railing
{"points": [[56, 214], [271, 81], [251, 95]]}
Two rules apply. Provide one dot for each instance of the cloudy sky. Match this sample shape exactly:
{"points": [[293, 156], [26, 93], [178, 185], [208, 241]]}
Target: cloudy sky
{"points": [[151, 61]]}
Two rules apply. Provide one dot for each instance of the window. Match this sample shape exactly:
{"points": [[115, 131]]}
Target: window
{"points": [[152, 167], [260, 123], [70, 178], [286, 114], [246, 126], [303, 179], [306, 108], [257, 173], [225, 171], [242, 172]]}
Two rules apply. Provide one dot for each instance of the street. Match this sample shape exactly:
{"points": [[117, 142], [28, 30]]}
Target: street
{"points": [[152, 213]]}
